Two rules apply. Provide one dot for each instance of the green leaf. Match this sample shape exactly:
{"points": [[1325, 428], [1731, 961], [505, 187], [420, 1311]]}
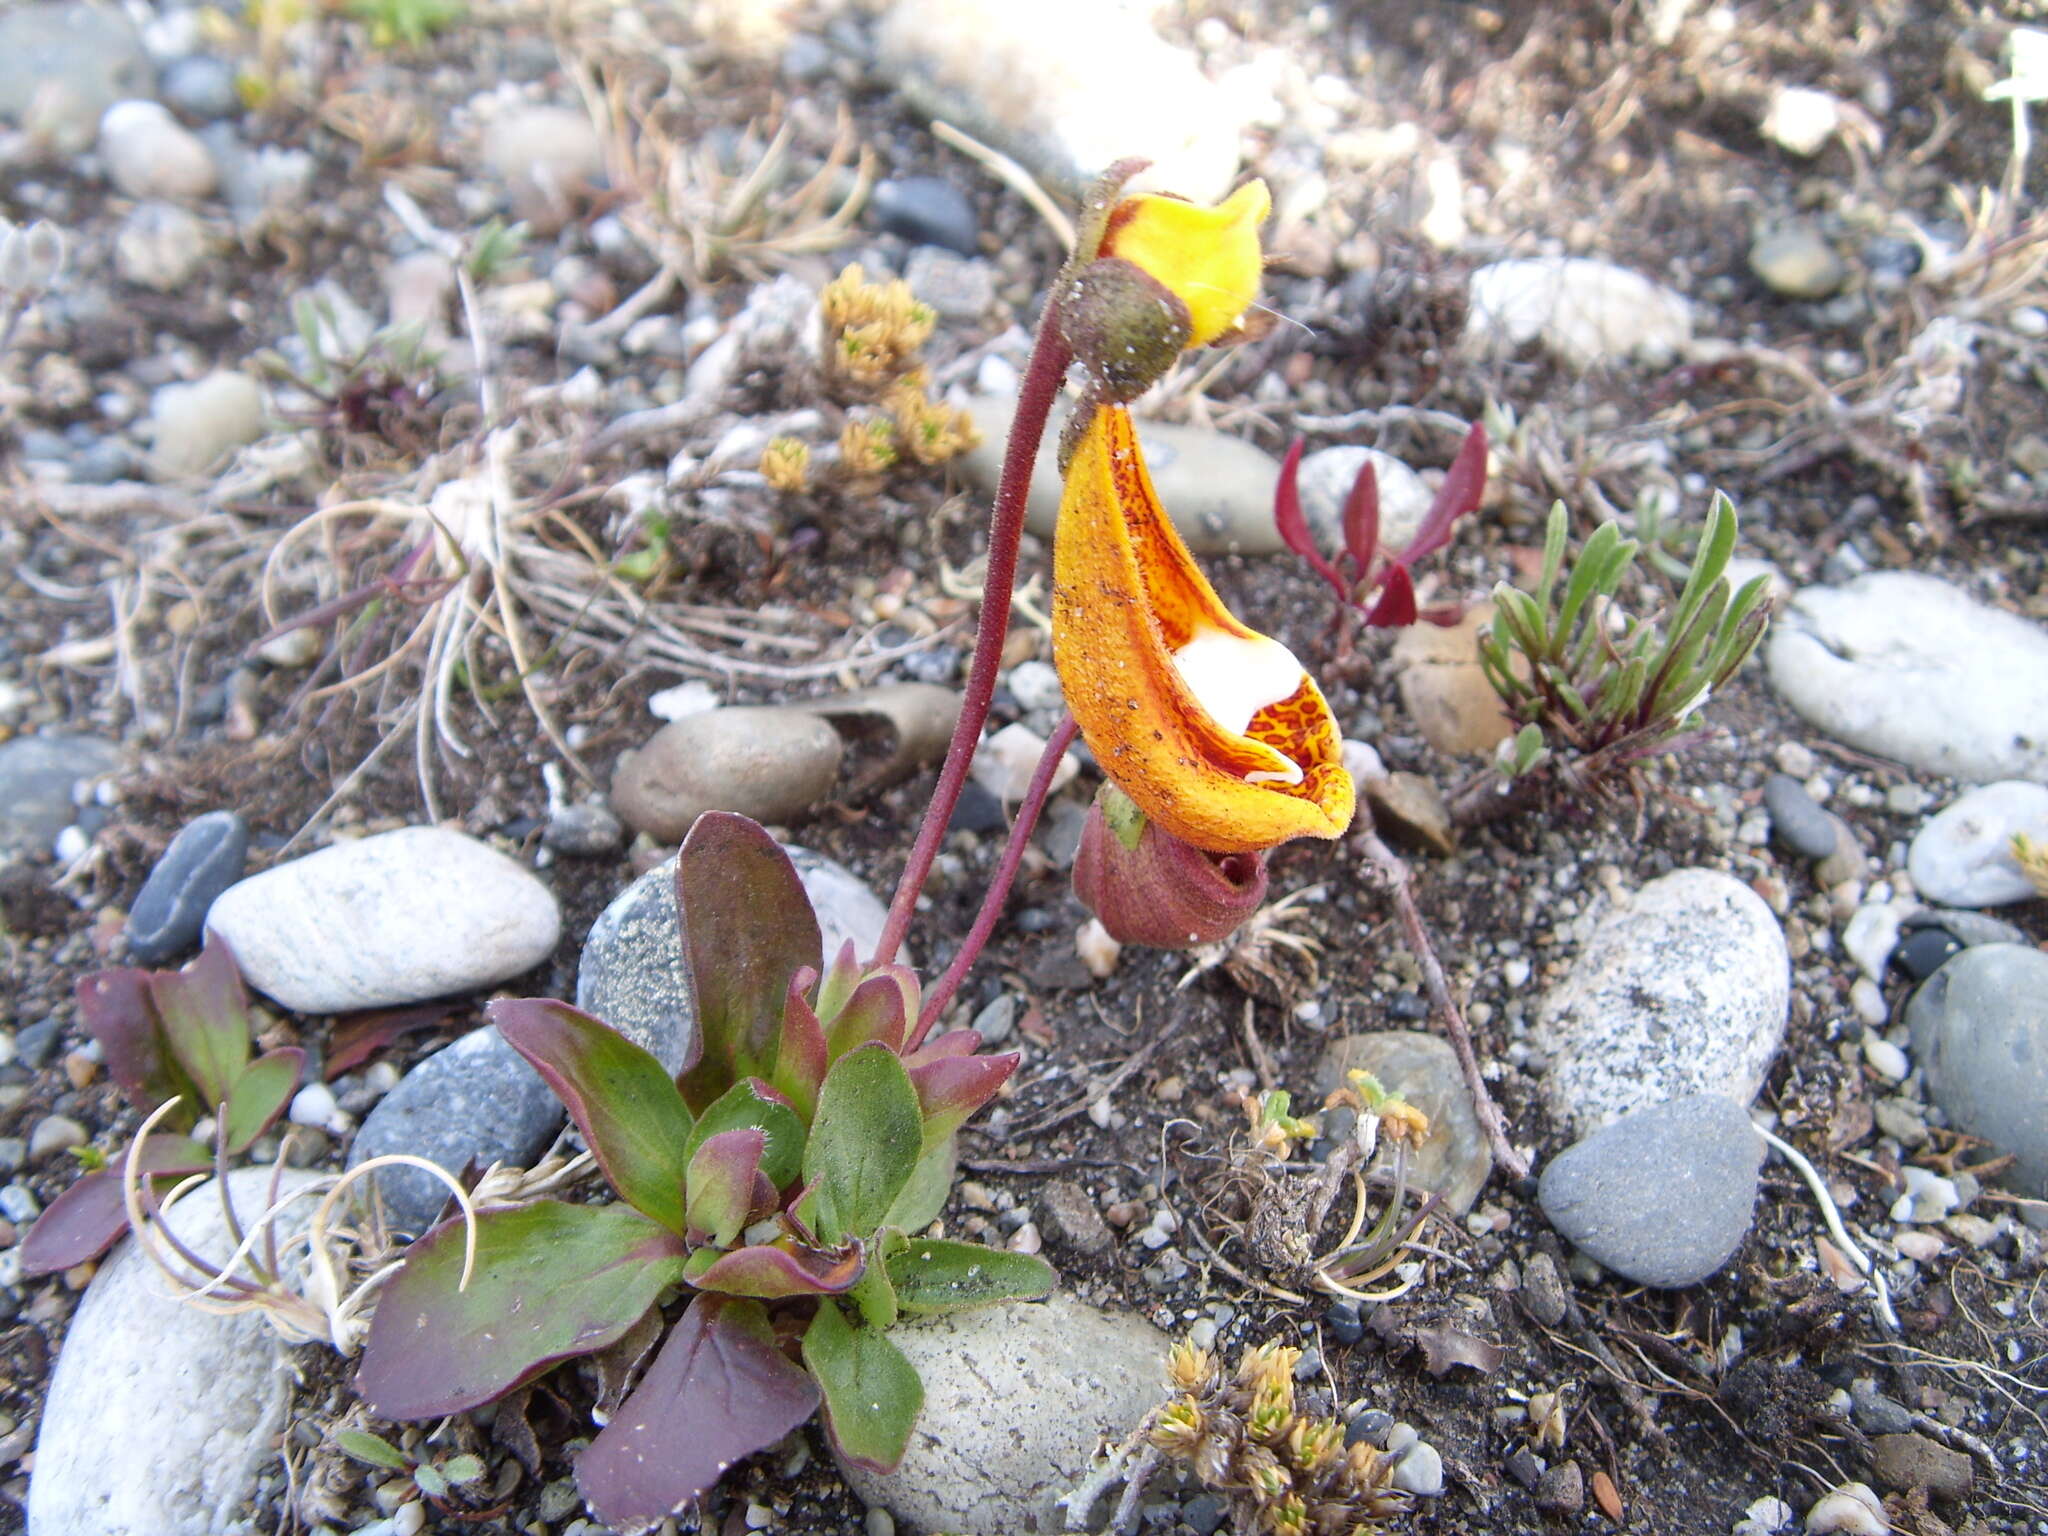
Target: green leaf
{"points": [[934, 1275], [1556, 530], [205, 1017], [921, 1200], [625, 1105], [875, 1297], [372, 1450], [745, 1106], [864, 1143], [747, 928], [260, 1094], [872, 1393], [551, 1280], [428, 1479], [465, 1468]]}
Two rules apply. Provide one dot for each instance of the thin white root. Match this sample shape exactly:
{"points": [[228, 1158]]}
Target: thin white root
{"points": [[1880, 1293]]}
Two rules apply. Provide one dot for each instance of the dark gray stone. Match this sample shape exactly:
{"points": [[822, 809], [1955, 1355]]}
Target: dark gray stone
{"points": [[34, 1043], [977, 811], [39, 776], [1875, 1413], [204, 859], [585, 831], [631, 974], [926, 211], [1972, 928], [477, 1100], [1798, 822], [201, 86], [1663, 1196], [1980, 1033], [1203, 1514], [1342, 1321], [1925, 950]]}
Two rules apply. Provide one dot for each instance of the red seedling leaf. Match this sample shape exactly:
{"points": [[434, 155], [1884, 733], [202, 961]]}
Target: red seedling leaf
{"points": [[954, 1042], [1464, 484], [952, 1088], [623, 1101], [119, 1013], [719, 1390], [748, 928], [1396, 606], [205, 1016], [1362, 519], [1293, 523], [89, 1217], [876, 1011], [802, 1057], [776, 1273], [552, 1280], [361, 1036]]}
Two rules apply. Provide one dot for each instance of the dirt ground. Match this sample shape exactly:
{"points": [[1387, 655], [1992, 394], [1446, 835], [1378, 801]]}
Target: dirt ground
{"points": [[1588, 132]]}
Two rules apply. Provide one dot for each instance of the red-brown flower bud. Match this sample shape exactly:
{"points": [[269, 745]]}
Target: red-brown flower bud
{"points": [[1149, 887]]}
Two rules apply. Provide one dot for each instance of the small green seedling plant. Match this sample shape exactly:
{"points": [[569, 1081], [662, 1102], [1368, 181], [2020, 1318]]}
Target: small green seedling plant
{"points": [[437, 1480], [1578, 672], [178, 1045], [407, 23], [778, 1180]]}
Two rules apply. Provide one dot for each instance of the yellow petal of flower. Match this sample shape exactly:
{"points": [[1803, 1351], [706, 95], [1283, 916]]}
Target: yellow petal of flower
{"points": [[1209, 257], [1214, 730]]}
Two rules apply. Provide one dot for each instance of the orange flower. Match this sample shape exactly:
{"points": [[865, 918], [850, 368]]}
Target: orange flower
{"points": [[1214, 730]]}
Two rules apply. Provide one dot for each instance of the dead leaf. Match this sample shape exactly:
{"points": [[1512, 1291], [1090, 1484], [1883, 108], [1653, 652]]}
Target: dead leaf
{"points": [[1607, 1497], [1445, 1348]]}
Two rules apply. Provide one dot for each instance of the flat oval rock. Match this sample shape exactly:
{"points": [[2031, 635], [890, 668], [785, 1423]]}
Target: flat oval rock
{"points": [[1911, 668], [161, 1416], [1980, 1032], [1663, 1196], [1682, 989], [1423, 1069], [397, 918], [1016, 1397], [1963, 856], [769, 763], [203, 860]]}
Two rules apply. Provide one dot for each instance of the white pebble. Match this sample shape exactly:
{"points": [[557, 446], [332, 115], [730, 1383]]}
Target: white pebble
{"points": [[683, 701], [1851, 1508], [1888, 1059], [1098, 951], [71, 845], [1764, 1517], [1928, 1196], [1920, 1247], [55, 1133], [1868, 1001], [315, 1105], [410, 1520], [1421, 1471]]}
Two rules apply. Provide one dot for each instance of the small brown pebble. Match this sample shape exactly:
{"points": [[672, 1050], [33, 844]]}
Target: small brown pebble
{"points": [[80, 1068], [1071, 1218], [7, 1233], [1169, 1090], [1606, 1496], [1905, 1462], [1562, 1490], [1123, 1213], [78, 1275]]}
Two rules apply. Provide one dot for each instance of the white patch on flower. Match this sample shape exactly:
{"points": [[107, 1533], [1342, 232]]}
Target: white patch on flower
{"points": [[1233, 678]]}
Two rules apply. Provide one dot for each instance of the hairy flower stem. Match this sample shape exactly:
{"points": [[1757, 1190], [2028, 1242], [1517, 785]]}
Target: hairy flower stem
{"points": [[1391, 869], [1050, 356], [999, 885]]}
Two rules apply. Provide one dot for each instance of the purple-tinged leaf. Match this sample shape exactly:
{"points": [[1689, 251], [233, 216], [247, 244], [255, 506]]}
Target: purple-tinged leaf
{"points": [[932, 1275], [1443, 615], [1362, 520], [875, 1012], [89, 1217], [1396, 606], [719, 1390], [753, 1103], [864, 1143], [260, 1094], [954, 1042], [622, 1100], [119, 1013], [552, 1280], [802, 1057], [748, 928], [776, 1273], [1293, 524], [720, 1184], [362, 1035], [952, 1088], [1464, 485], [839, 980], [205, 1018], [872, 1393]]}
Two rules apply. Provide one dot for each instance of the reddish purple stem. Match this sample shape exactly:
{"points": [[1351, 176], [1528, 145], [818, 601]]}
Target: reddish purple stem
{"points": [[1042, 380], [999, 887]]}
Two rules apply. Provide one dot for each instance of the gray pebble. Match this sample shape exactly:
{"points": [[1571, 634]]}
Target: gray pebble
{"points": [[1663, 1196], [587, 831], [475, 1100], [201, 86], [1798, 823], [204, 859], [926, 211], [958, 287], [34, 1043], [1980, 1033], [1544, 1291], [1875, 1413], [39, 780], [18, 1204]]}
